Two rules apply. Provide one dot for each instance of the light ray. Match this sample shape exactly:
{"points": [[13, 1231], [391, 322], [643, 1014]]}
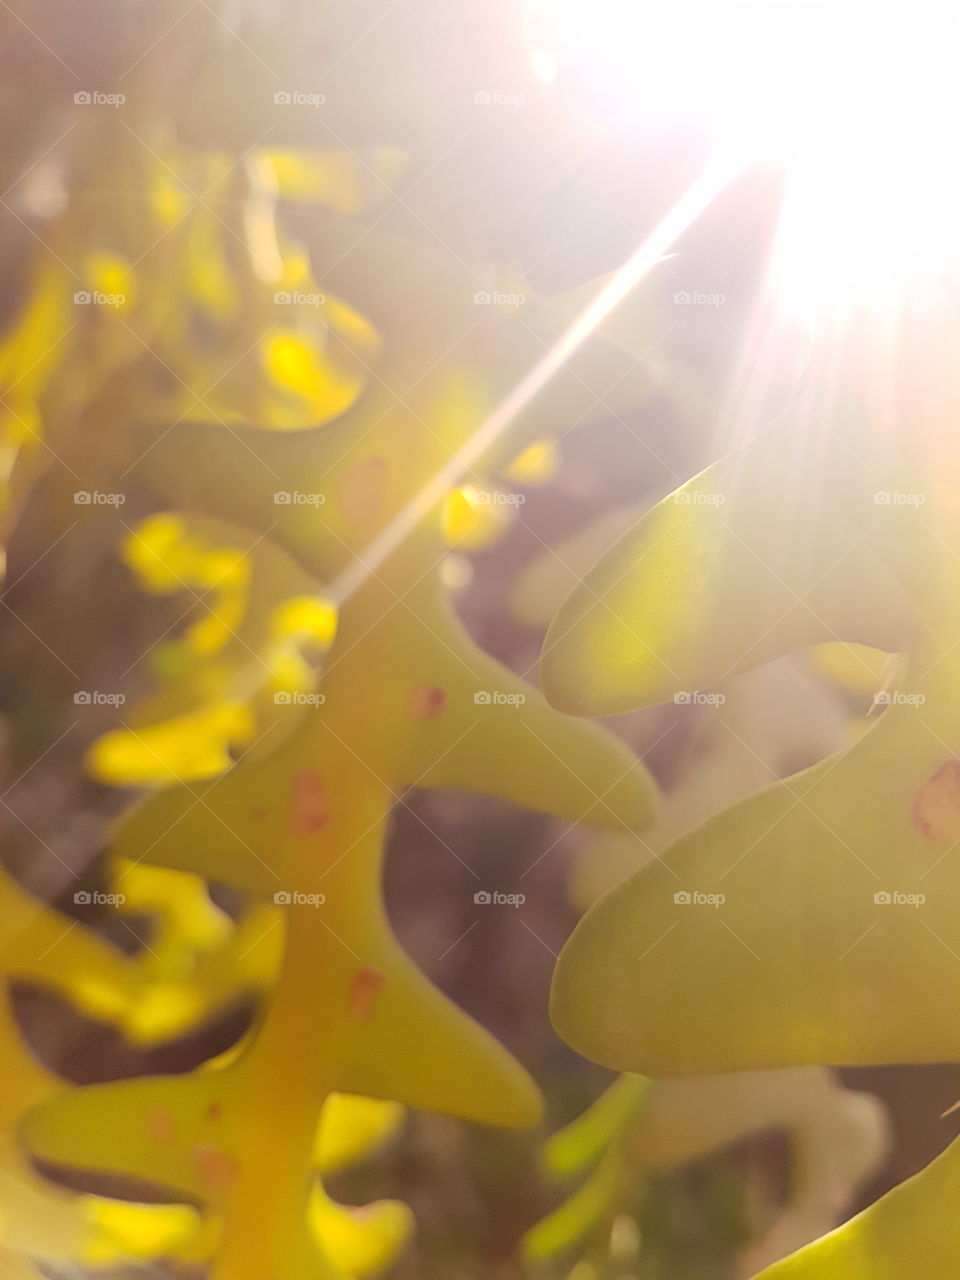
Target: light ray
{"points": [[698, 197]]}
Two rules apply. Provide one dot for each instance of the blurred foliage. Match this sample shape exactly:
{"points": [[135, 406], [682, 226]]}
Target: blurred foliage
{"points": [[831, 966], [269, 269]]}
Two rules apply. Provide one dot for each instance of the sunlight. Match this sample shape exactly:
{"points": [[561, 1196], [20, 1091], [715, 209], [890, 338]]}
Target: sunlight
{"points": [[855, 101]]}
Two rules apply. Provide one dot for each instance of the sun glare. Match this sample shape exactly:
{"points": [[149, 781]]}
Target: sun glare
{"points": [[856, 101]]}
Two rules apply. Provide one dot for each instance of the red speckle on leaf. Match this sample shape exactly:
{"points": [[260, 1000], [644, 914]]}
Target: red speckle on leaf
{"points": [[214, 1111], [311, 808], [215, 1166], [427, 701], [936, 806], [363, 993], [160, 1122]]}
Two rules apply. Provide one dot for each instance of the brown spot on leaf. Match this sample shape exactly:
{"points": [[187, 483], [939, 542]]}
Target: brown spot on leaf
{"points": [[427, 701], [311, 807], [161, 1124], [364, 991], [214, 1111], [215, 1166], [936, 806]]}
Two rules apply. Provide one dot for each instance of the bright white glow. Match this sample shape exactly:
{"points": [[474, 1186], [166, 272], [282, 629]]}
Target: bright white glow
{"points": [[871, 206], [857, 99]]}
